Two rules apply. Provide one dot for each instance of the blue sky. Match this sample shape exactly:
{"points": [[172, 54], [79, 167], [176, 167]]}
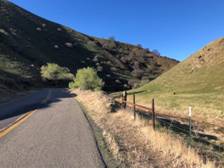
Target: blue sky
{"points": [[177, 28]]}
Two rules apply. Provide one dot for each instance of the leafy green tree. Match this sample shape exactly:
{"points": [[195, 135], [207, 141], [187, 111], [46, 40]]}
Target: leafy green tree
{"points": [[87, 79], [53, 71]]}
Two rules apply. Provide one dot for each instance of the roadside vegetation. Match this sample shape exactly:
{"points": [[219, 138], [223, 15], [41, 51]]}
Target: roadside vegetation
{"points": [[87, 79], [197, 82], [134, 143], [54, 72]]}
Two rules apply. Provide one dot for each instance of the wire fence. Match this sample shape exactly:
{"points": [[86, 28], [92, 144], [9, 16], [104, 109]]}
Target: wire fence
{"points": [[185, 126]]}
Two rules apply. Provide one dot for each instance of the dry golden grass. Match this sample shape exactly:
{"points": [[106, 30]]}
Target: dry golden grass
{"points": [[205, 118], [135, 144]]}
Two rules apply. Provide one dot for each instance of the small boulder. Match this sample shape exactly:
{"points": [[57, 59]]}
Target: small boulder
{"points": [[117, 81], [99, 68], [69, 45], [59, 29], [56, 46], [3, 32], [39, 29], [108, 75], [43, 25], [13, 31]]}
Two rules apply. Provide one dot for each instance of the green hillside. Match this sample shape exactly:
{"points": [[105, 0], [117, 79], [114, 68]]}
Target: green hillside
{"points": [[197, 81], [27, 42]]}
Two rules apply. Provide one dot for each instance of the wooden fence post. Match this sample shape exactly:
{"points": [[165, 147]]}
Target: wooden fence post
{"points": [[190, 122], [134, 109], [125, 99], [153, 114]]}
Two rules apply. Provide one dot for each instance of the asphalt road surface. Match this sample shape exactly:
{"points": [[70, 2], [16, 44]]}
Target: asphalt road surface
{"points": [[12, 110], [57, 135]]}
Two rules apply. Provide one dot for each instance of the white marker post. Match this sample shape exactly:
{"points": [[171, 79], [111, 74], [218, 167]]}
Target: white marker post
{"points": [[190, 115], [123, 99]]}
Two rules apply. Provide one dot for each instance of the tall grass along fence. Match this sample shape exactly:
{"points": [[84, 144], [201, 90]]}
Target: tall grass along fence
{"points": [[184, 126]]}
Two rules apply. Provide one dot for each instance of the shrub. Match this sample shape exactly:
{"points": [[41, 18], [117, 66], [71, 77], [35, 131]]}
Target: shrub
{"points": [[156, 52], [113, 69], [138, 52], [110, 43], [137, 73], [53, 71], [139, 45], [87, 79], [99, 68], [112, 38]]}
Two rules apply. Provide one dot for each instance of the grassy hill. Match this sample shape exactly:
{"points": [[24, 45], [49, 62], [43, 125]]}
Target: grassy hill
{"points": [[28, 41], [198, 82]]}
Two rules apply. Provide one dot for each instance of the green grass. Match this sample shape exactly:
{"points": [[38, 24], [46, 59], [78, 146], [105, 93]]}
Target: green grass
{"points": [[191, 83], [204, 105], [13, 67]]}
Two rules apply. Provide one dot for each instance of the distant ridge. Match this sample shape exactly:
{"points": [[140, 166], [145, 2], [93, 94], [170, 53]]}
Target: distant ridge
{"points": [[28, 42]]}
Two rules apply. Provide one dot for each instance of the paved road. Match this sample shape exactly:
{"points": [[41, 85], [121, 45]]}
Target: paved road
{"points": [[57, 135], [12, 110]]}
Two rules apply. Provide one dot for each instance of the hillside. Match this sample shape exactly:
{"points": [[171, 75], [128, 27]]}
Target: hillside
{"points": [[198, 81], [28, 42]]}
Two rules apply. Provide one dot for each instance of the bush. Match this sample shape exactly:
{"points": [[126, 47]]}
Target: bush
{"points": [[112, 38], [109, 44], [139, 45], [137, 73], [55, 72], [156, 52], [87, 79]]}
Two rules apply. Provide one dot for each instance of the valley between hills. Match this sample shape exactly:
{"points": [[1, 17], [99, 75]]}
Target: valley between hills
{"points": [[118, 95]]}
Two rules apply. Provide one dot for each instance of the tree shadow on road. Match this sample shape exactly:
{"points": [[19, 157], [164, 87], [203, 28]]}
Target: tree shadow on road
{"points": [[12, 110]]}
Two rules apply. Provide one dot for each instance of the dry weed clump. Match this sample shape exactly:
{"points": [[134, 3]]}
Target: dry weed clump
{"points": [[132, 142]]}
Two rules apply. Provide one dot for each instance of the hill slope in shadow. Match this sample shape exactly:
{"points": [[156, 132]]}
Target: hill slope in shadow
{"points": [[28, 41]]}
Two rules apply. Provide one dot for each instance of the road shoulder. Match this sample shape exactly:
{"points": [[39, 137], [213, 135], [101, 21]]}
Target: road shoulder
{"points": [[106, 155], [4, 131]]}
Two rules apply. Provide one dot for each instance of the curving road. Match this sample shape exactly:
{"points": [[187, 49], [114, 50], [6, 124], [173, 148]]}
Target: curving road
{"points": [[57, 135]]}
